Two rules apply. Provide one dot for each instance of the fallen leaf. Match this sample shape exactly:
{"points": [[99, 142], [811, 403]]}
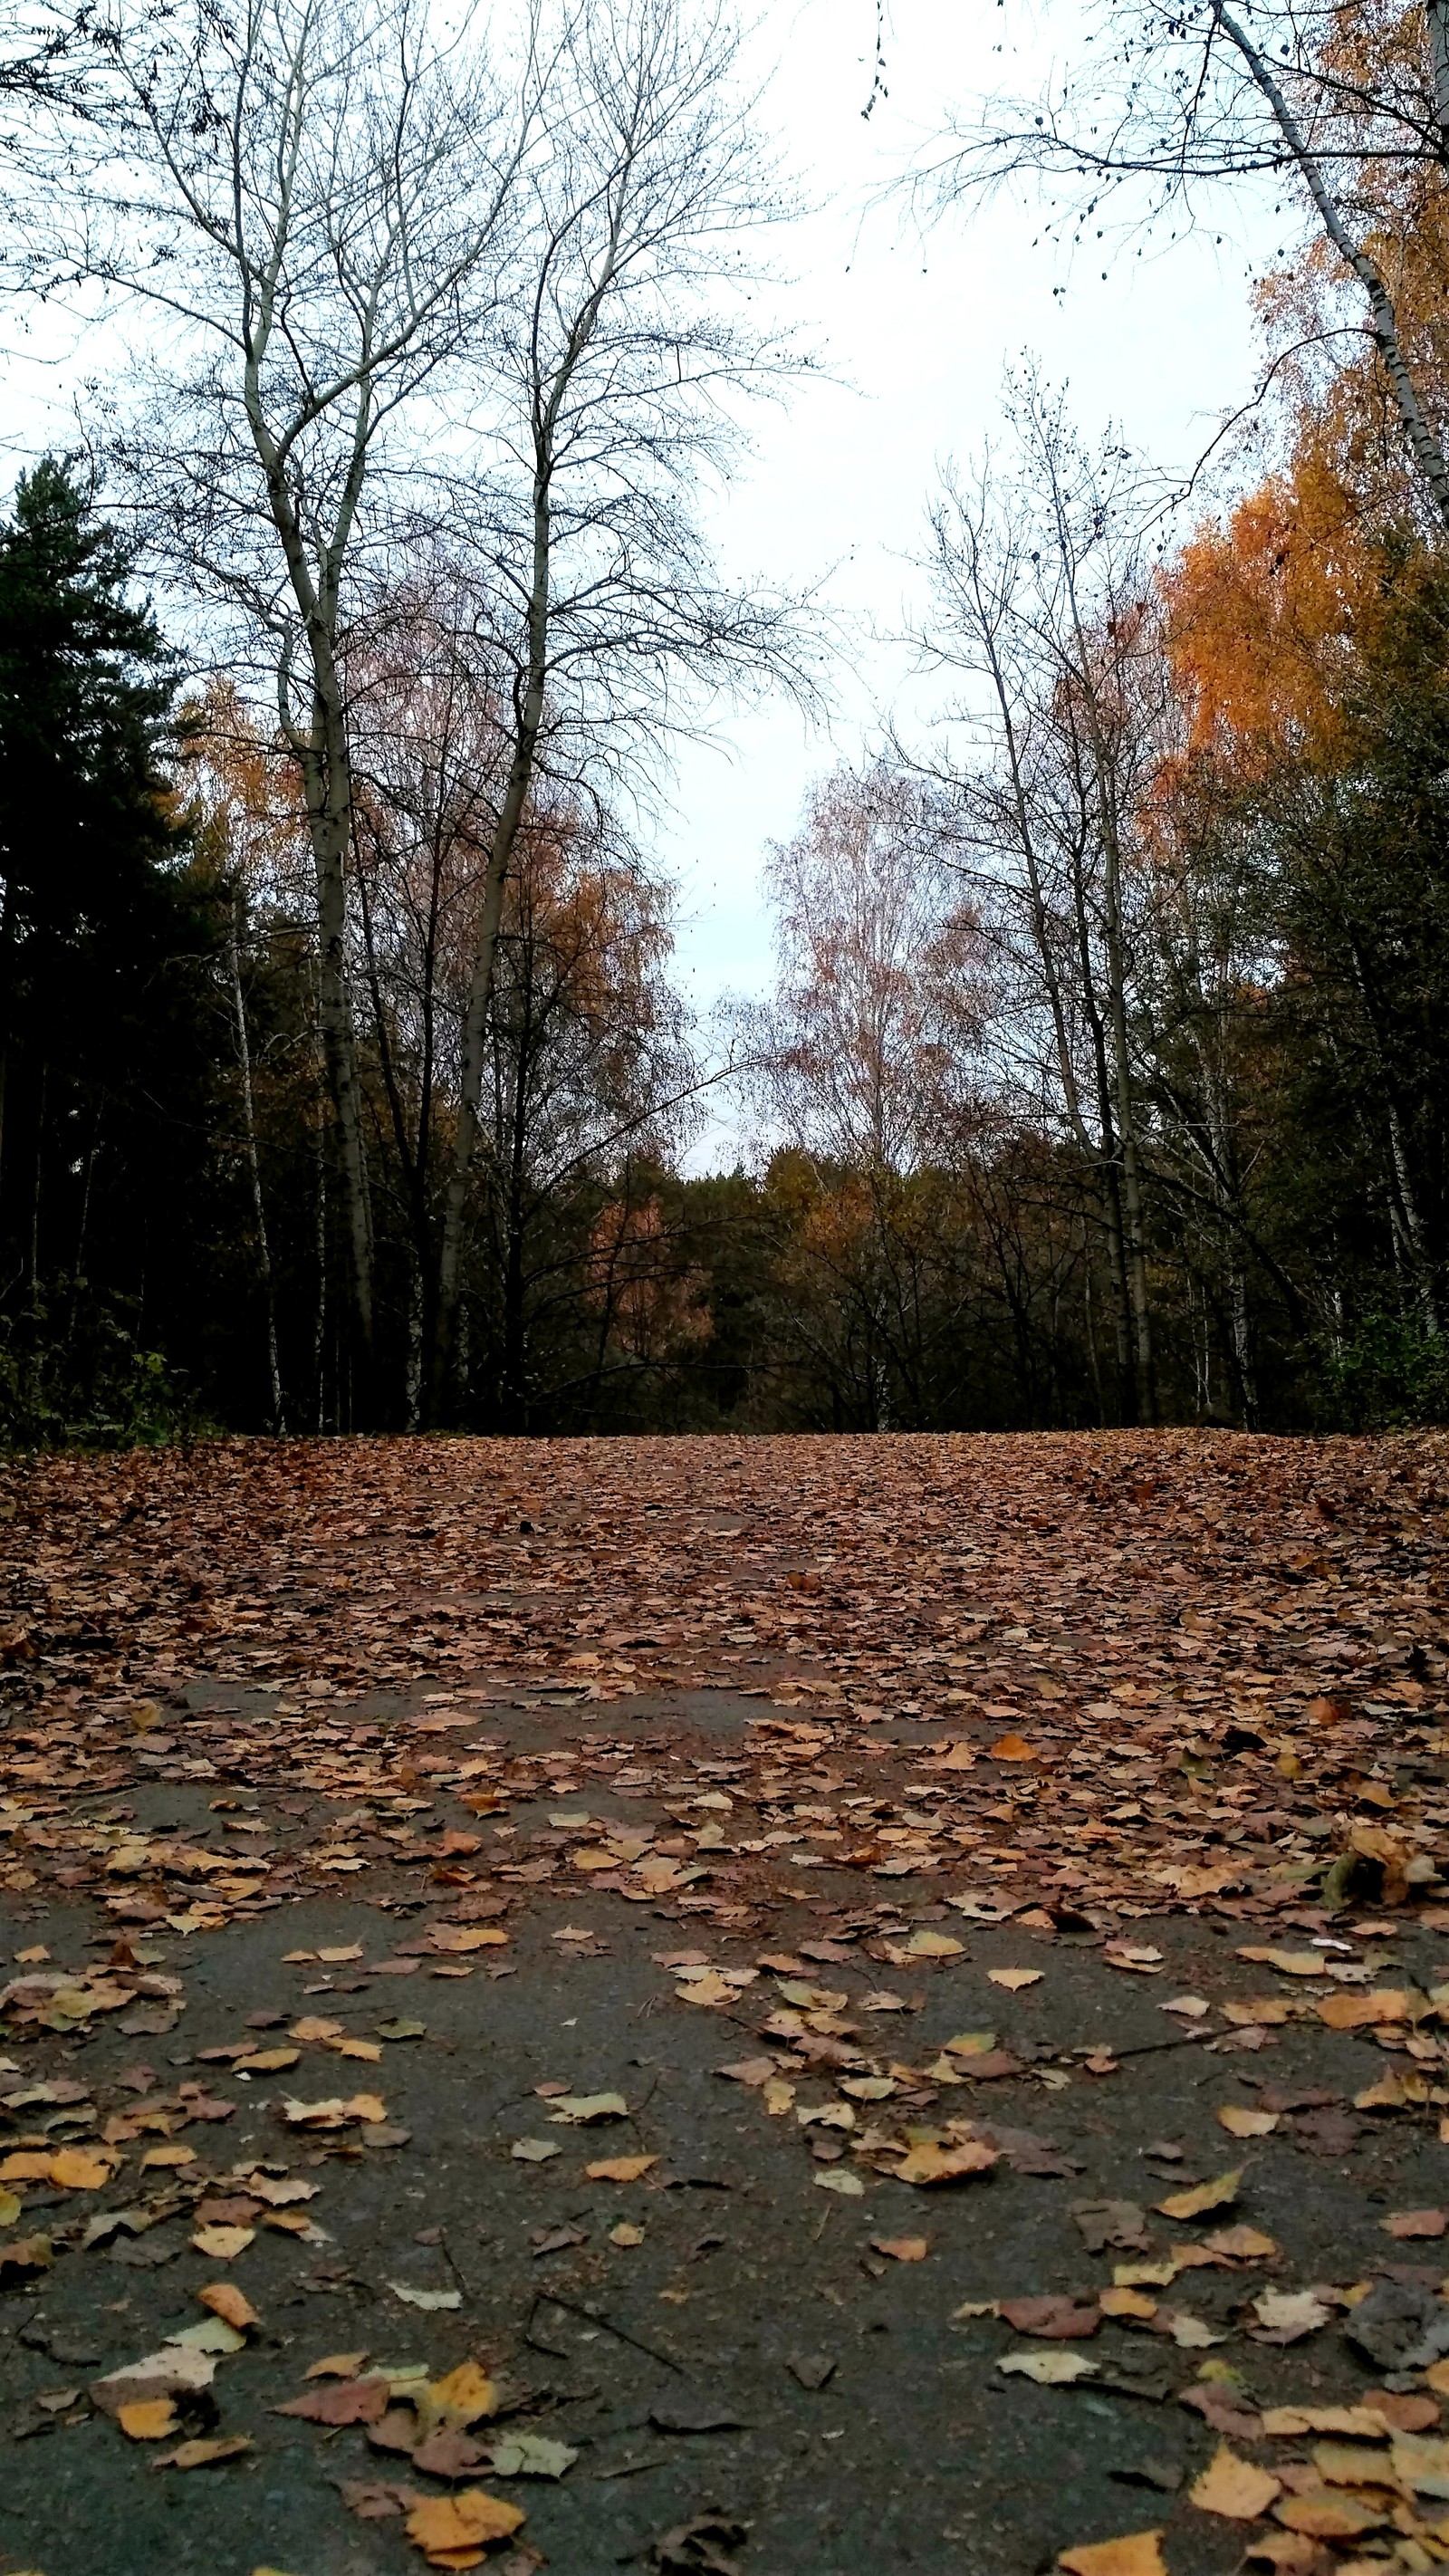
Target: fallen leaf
{"points": [[530, 2455], [149, 2419], [934, 2164], [1014, 1978], [225, 2300], [222, 2244], [428, 2299], [348, 2401], [1137, 2555], [1243, 2123], [1242, 2244], [1415, 2222], [619, 2168], [1324, 2515], [902, 2249], [452, 2531], [1013, 1748], [1062, 2319], [1216, 2194], [579, 2110], [336, 2365], [462, 2398], [205, 2454], [1234, 2488], [1052, 2369]]}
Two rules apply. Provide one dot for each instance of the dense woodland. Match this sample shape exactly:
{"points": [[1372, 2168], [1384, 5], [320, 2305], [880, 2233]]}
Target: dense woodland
{"points": [[345, 1085]]}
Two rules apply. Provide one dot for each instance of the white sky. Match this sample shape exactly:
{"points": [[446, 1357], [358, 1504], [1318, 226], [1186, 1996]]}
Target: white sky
{"points": [[920, 329]]}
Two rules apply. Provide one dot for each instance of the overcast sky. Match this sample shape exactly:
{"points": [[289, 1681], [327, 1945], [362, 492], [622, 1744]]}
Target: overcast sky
{"points": [[920, 330]]}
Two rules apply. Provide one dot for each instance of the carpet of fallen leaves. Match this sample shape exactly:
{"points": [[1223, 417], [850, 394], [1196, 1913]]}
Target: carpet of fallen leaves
{"points": [[1062, 1682]]}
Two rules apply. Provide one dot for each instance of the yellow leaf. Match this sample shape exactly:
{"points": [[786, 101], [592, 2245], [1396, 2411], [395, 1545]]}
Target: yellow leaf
{"points": [[468, 1936], [1243, 2123], [459, 2400], [1208, 2195], [176, 2155], [620, 2168], [1289, 1963], [903, 2249], [222, 2244], [1137, 2555], [149, 2420], [371, 2049], [1015, 1978], [1013, 1748], [1235, 2488], [626, 2235]]}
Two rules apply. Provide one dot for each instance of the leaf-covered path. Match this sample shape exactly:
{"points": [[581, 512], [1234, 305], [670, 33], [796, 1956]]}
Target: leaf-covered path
{"points": [[830, 2004]]}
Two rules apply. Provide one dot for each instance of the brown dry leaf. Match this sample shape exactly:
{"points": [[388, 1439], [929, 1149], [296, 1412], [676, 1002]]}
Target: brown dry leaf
{"points": [[336, 2365], [453, 2531], [711, 1990], [453, 1937], [619, 2168], [1060, 2320], [902, 2249], [150, 2419], [1139, 2554], [314, 2027], [1013, 1979], [1013, 1748], [229, 2303], [1217, 2194], [1325, 2515], [1415, 2222], [1234, 2488], [168, 2156], [1240, 2122], [1240, 2244], [204, 2454], [346, 2401]]}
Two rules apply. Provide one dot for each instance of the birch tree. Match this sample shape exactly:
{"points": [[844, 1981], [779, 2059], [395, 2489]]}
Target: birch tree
{"points": [[309, 200], [1342, 104], [1041, 596], [625, 343]]}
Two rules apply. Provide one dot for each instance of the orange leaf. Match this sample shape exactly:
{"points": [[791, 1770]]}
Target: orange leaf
{"points": [[1235, 2488], [149, 2420], [1137, 2555]]}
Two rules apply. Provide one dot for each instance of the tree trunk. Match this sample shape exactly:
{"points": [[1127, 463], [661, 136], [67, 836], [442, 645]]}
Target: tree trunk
{"points": [[259, 1212]]}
